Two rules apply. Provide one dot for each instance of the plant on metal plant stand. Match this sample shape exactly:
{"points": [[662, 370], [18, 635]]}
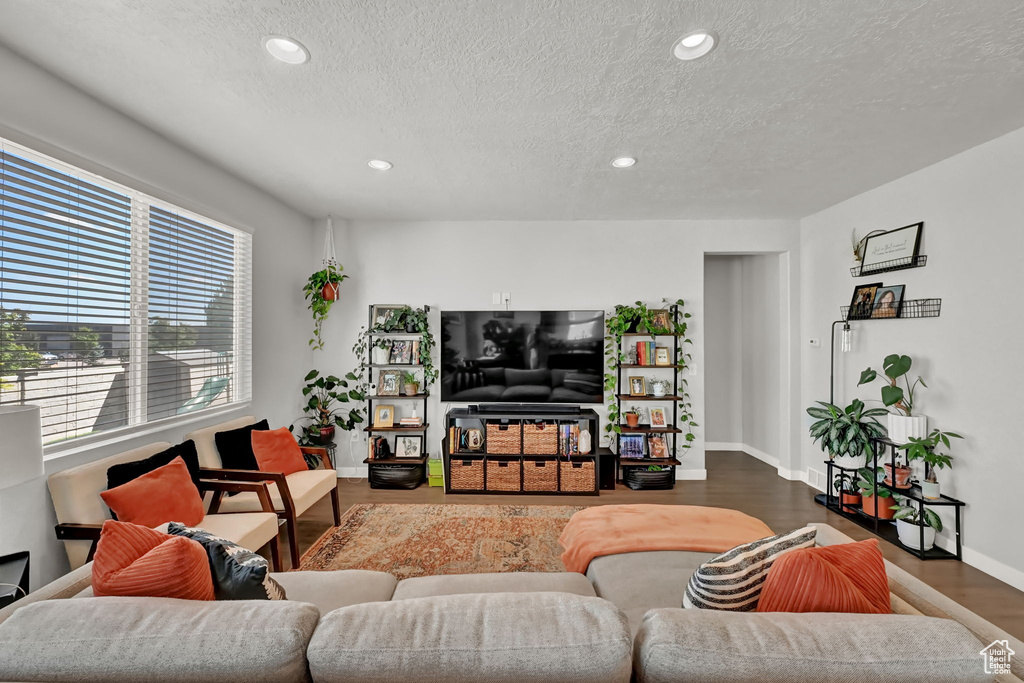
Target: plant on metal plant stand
{"points": [[324, 394], [924, 449], [913, 522], [874, 498], [321, 290], [846, 486], [845, 433], [902, 422]]}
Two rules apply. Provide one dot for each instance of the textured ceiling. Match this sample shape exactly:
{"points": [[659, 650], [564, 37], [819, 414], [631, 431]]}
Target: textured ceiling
{"points": [[512, 109]]}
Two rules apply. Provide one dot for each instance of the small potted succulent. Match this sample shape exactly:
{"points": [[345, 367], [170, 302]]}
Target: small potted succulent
{"points": [[849, 494], [659, 387], [874, 498], [632, 416], [902, 423], [911, 519], [410, 384], [924, 449], [845, 434]]}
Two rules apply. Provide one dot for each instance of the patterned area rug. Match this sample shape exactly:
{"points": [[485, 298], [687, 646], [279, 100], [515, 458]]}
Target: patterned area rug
{"points": [[425, 540]]}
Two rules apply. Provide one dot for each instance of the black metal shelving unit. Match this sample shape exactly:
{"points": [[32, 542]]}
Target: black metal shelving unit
{"points": [[910, 308], [919, 261]]}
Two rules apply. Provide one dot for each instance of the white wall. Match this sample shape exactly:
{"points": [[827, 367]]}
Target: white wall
{"points": [[971, 205], [544, 265], [723, 350], [762, 344], [44, 113]]}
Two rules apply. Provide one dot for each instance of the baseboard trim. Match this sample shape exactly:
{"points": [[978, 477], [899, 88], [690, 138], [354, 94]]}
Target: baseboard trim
{"points": [[691, 475]]}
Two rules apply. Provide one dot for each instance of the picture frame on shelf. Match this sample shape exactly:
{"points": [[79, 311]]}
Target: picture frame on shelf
{"points": [[660, 320], [656, 446], [631, 445], [401, 352], [863, 301], [389, 383], [637, 386], [383, 416], [888, 301], [661, 355], [658, 417], [891, 245], [383, 313], [409, 446]]}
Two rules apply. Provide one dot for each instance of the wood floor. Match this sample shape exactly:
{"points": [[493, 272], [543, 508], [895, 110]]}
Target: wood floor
{"points": [[734, 481]]}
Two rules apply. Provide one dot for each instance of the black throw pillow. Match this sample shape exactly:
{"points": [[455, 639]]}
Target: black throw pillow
{"points": [[238, 574], [127, 471], [235, 447]]}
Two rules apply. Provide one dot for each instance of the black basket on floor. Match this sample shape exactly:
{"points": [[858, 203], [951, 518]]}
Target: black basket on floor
{"points": [[640, 479], [397, 476]]}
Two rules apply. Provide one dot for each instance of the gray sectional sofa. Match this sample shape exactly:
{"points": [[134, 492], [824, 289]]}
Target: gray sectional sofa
{"points": [[621, 621]]}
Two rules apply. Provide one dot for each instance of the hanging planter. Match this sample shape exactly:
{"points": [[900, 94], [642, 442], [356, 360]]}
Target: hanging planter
{"points": [[321, 290]]}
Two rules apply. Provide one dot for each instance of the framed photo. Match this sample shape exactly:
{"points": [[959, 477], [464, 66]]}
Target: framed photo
{"points": [[658, 417], [660, 320], [901, 243], [661, 355], [409, 446], [631, 446], [385, 316], [401, 352], [637, 386], [384, 416], [656, 446], [888, 302], [863, 301], [389, 383]]}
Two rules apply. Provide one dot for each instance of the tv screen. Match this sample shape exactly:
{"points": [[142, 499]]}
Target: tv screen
{"points": [[522, 356]]}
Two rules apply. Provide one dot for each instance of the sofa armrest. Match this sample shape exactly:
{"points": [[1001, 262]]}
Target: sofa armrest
{"points": [[222, 486], [80, 532], [321, 453]]}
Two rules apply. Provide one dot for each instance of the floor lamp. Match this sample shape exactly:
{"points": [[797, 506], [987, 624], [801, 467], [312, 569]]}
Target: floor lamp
{"points": [[847, 344], [21, 460]]}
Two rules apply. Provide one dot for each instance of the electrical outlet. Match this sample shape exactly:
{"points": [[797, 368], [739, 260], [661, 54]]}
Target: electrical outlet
{"points": [[506, 298], [691, 369]]}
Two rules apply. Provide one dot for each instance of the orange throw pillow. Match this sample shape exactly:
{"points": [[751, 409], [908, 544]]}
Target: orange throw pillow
{"points": [[849, 577], [166, 494], [277, 451], [139, 561]]}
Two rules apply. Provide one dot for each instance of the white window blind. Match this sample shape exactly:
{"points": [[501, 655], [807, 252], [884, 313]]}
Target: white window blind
{"points": [[116, 309]]}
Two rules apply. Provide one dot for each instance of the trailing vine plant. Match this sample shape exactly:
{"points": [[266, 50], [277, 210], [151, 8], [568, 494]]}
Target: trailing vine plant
{"points": [[640, 318], [327, 279]]}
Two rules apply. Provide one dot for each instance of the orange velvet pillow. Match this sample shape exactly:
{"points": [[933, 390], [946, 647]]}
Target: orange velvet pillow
{"points": [[136, 560], [849, 577], [166, 494], [277, 451]]}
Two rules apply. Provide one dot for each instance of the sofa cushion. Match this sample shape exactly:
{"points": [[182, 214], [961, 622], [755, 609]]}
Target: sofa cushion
{"points": [[249, 530], [157, 639], [677, 645], [508, 582], [276, 450], [477, 638], [165, 494], [235, 446], [335, 589], [122, 473], [238, 573], [306, 488], [204, 437]]}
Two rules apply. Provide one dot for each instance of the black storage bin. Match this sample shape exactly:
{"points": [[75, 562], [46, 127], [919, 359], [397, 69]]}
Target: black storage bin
{"points": [[397, 476], [640, 479]]}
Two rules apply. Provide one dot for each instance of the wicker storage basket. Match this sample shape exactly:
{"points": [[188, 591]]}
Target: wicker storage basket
{"points": [[504, 439], [466, 475], [503, 475], [540, 475], [540, 439], [577, 476]]}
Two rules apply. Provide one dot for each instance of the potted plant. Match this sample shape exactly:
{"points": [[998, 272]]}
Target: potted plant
{"points": [[632, 416], [902, 424], [911, 519], [321, 290], [900, 477], [845, 434], [323, 394], [410, 384], [874, 498], [924, 449], [659, 387], [849, 494]]}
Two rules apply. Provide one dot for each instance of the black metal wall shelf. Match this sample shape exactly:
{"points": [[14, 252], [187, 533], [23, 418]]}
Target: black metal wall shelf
{"points": [[889, 266], [910, 308]]}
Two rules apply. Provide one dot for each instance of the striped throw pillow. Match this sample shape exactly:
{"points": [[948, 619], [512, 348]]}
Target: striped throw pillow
{"points": [[732, 581]]}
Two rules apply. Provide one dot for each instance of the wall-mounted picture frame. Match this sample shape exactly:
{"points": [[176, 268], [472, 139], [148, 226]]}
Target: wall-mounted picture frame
{"points": [[888, 301], [661, 356], [631, 445], [892, 245], [660, 320], [657, 446], [863, 301], [637, 386], [401, 352], [389, 383], [409, 446], [384, 315], [384, 416], [658, 417]]}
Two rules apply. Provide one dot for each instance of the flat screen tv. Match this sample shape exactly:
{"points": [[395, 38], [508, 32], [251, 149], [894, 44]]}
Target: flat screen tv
{"points": [[522, 356]]}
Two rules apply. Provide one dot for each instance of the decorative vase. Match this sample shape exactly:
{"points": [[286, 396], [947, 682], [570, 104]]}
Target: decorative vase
{"points": [[325, 436], [851, 501], [658, 389], [380, 356], [877, 507], [584, 442], [411, 388], [910, 535], [632, 419], [902, 428], [930, 490], [902, 476], [330, 291]]}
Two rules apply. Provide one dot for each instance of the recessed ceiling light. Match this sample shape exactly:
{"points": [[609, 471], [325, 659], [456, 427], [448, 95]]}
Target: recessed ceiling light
{"points": [[379, 164], [287, 50], [623, 162], [695, 44]]}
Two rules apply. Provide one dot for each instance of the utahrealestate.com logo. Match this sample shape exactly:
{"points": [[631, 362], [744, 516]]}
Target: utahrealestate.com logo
{"points": [[997, 657]]}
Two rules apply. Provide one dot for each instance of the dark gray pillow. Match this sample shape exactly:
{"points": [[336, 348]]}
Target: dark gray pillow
{"points": [[235, 447], [127, 471], [238, 574]]}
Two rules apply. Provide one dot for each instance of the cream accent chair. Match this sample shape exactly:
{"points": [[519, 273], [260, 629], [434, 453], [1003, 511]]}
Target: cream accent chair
{"points": [[291, 495], [81, 512]]}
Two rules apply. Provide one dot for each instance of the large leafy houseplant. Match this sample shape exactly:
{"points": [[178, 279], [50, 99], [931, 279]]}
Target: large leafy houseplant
{"points": [[321, 290], [925, 449], [874, 497], [324, 396], [894, 396], [915, 525], [845, 432]]}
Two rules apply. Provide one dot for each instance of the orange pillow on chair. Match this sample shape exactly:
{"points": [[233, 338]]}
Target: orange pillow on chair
{"points": [[277, 451], [166, 494], [136, 560], [848, 577]]}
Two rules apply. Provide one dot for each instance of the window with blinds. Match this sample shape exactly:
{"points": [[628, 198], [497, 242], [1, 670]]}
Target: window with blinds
{"points": [[116, 309]]}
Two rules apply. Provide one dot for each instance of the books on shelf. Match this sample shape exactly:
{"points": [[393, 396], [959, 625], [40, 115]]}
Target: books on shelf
{"points": [[645, 353], [569, 439], [411, 422]]}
